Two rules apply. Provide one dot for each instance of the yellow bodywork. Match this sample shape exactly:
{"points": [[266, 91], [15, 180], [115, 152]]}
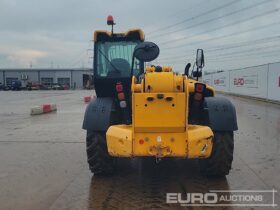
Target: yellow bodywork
{"points": [[159, 115], [195, 143], [160, 120]]}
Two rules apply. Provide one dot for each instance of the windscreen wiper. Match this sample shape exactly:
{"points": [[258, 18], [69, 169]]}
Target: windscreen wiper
{"points": [[107, 59]]}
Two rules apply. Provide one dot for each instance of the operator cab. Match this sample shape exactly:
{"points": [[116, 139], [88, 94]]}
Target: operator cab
{"points": [[113, 54]]}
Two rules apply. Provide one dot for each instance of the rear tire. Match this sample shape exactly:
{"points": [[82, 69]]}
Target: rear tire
{"points": [[99, 160], [220, 161]]}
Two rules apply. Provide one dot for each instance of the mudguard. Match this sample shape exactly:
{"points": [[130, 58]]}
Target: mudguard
{"points": [[98, 114], [219, 114]]}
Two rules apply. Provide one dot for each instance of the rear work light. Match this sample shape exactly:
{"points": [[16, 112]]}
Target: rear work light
{"points": [[123, 104]]}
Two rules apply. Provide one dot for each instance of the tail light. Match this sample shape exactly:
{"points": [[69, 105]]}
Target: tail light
{"points": [[121, 96], [198, 96], [119, 87], [199, 87], [199, 90], [141, 141]]}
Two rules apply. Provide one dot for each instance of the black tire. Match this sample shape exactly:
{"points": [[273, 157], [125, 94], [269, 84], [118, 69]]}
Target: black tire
{"points": [[99, 160], [220, 161]]}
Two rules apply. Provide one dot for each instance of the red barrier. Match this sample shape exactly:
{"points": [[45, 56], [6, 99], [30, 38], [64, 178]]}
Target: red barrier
{"points": [[87, 99], [47, 108]]}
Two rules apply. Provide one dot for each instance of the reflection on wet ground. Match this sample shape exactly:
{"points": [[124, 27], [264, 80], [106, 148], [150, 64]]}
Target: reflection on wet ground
{"points": [[143, 184], [138, 184]]}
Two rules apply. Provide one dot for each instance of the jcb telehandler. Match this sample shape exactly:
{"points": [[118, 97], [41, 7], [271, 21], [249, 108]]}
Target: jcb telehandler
{"points": [[148, 111]]}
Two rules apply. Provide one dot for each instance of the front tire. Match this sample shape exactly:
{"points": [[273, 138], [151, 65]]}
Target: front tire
{"points": [[220, 161], [99, 160]]}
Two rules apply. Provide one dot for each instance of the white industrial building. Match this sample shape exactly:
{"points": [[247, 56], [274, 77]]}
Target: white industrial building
{"points": [[75, 78]]}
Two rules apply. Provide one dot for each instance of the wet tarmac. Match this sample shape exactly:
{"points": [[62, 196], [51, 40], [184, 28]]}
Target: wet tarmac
{"points": [[43, 160]]}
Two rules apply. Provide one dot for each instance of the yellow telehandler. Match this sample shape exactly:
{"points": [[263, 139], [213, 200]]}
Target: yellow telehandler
{"points": [[151, 111]]}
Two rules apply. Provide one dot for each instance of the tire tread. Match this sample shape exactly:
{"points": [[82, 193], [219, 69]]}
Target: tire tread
{"points": [[220, 161], [99, 160]]}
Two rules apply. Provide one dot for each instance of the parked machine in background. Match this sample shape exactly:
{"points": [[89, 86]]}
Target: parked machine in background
{"points": [[152, 111], [16, 85], [37, 86], [57, 86]]}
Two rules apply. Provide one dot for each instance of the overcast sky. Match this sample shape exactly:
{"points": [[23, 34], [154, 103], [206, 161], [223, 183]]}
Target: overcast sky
{"points": [[57, 33]]}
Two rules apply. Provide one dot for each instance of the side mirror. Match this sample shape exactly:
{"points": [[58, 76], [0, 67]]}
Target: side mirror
{"points": [[146, 51], [199, 58], [187, 68]]}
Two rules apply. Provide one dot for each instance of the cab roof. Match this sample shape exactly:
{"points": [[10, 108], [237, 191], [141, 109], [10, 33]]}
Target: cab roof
{"points": [[136, 34]]}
